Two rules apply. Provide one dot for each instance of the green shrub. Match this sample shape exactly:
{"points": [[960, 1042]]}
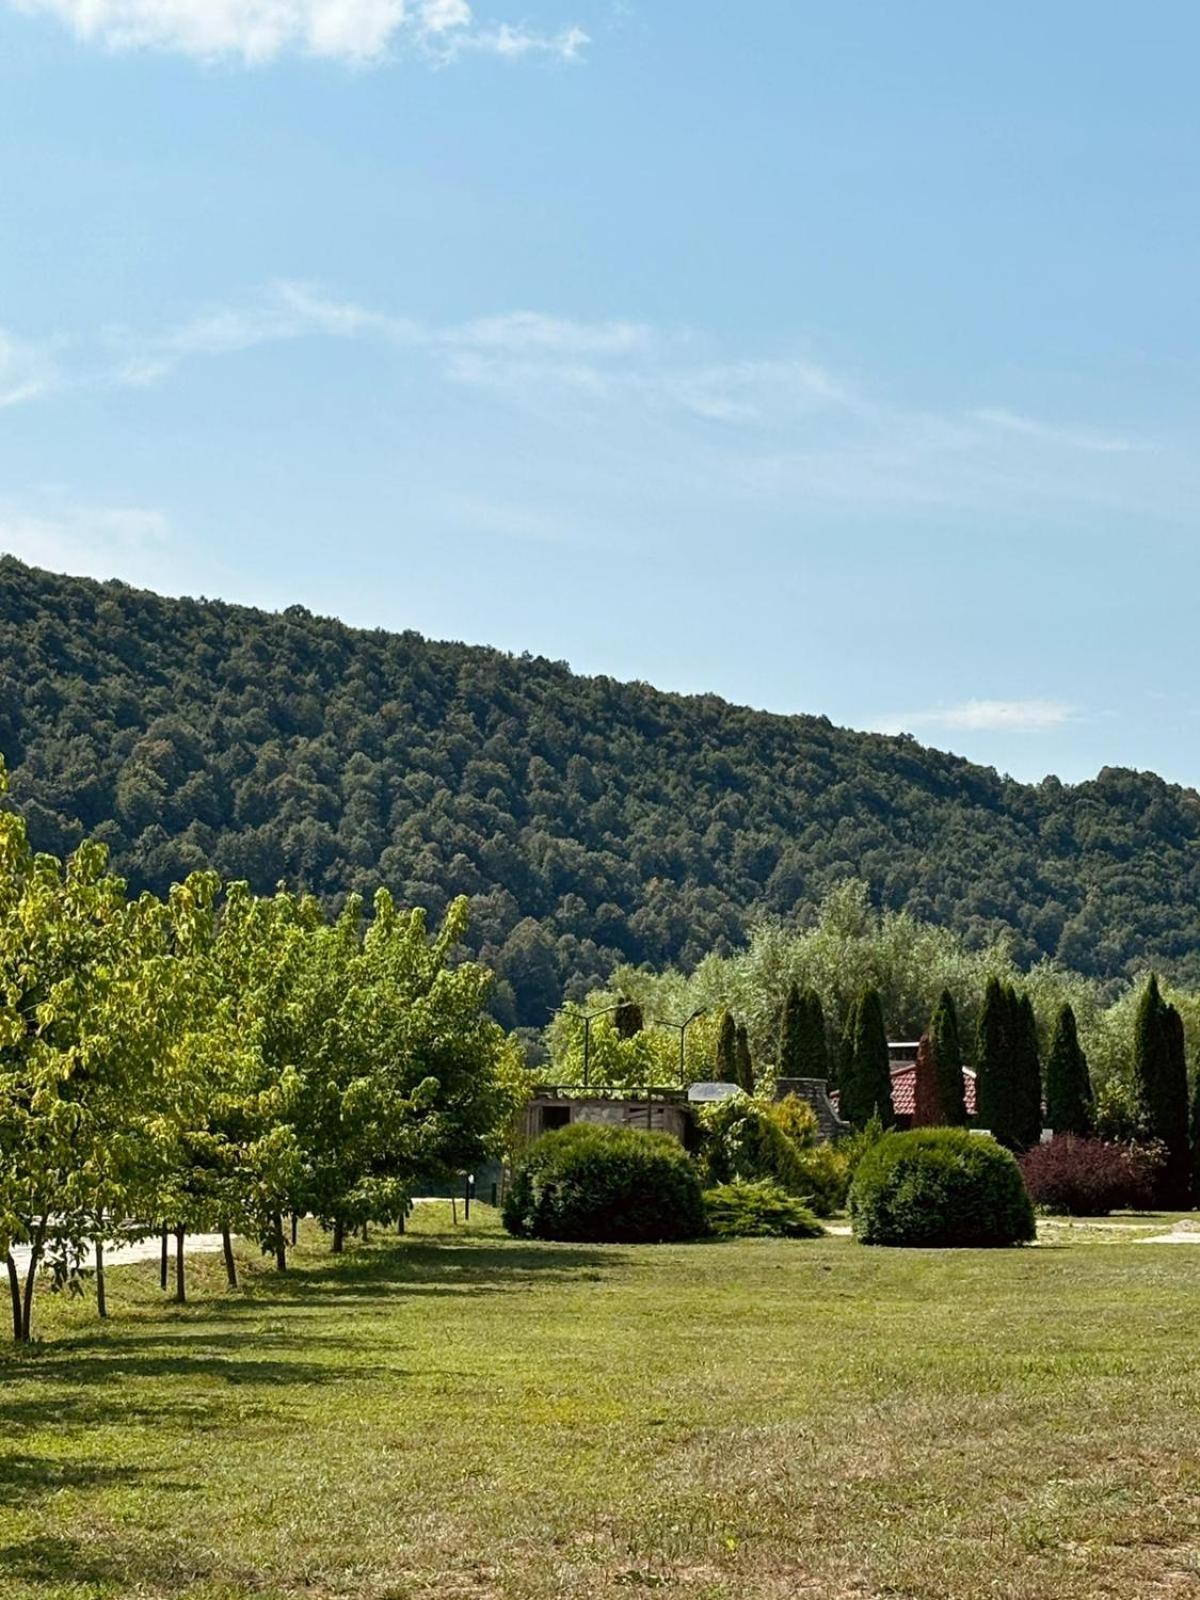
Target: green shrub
{"points": [[940, 1186], [741, 1210], [824, 1179], [605, 1185], [753, 1138]]}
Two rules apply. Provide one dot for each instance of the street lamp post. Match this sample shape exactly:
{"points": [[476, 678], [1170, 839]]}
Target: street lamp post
{"points": [[588, 1018], [681, 1029]]}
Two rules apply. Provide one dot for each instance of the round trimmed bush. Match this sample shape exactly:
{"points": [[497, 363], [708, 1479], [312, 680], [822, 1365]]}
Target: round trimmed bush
{"points": [[940, 1187], [605, 1185], [762, 1210]]}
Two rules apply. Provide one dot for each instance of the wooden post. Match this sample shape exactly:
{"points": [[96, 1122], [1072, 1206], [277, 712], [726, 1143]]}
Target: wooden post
{"points": [[230, 1263], [101, 1300]]}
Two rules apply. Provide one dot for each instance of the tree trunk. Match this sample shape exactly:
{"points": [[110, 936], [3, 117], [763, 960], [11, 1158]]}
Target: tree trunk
{"points": [[339, 1236], [101, 1298], [400, 1223], [280, 1243], [230, 1263], [180, 1278], [366, 1234], [295, 1228], [164, 1263], [14, 1289], [35, 1257]]}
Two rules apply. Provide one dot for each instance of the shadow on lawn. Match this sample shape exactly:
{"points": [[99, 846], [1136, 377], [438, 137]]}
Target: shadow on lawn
{"points": [[66, 1565], [406, 1267], [25, 1478], [214, 1347]]}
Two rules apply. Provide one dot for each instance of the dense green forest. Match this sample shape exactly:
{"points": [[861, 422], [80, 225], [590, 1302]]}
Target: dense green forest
{"points": [[592, 823]]}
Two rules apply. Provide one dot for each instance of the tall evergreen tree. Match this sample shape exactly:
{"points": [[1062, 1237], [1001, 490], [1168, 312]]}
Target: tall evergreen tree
{"points": [[927, 1105], [813, 1055], [1172, 1126], [948, 1062], [1027, 1073], [994, 1087], [868, 1092], [1160, 1077], [845, 1049], [790, 1027], [743, 1061], [725, 1069], [1069, 1101], [1196, 1143]]}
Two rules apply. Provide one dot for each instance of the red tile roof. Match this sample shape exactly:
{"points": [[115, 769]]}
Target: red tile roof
{"points": [[904, 1089]]}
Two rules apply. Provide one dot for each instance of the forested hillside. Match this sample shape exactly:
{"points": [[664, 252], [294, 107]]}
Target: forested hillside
{"points": [[591, 822]]}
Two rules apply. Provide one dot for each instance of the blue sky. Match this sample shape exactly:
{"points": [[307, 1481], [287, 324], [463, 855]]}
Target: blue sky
{"points": [[832, 358]]}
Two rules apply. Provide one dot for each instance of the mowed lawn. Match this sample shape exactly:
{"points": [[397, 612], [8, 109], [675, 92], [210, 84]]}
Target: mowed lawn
{"points": [[461, 1416]]}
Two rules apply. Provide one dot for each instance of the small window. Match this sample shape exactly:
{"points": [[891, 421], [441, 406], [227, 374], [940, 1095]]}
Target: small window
{"points": [[555, 1117]]}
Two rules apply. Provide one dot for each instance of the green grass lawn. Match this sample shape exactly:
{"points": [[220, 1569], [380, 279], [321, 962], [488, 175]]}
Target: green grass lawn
{"points": [[461, 1416]]}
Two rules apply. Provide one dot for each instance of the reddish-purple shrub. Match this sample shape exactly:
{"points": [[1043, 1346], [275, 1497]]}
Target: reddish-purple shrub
{"points": [[1089, 1177]]}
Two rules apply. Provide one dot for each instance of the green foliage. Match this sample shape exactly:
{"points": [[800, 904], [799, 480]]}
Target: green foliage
{"points": [[940, 1187], [946, 1047], [218, 1063], [814, 1047], [760, 1210], [789, 1034], [752, 1138], [1120, 1115], [1160, 1078], [995, 1050], [641, 1060], [866, 1083], [725, 1058], [1069, 1100], [593, 824], [605, 1185], [743, 1063], [1027, 1073]]}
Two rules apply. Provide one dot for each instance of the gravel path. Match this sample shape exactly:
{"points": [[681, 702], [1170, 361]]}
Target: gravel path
{"points": [[122, 1255]]}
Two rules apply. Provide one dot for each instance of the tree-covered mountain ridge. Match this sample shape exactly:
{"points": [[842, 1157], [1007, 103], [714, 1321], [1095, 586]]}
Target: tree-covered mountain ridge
{"points": [[591, 822]]}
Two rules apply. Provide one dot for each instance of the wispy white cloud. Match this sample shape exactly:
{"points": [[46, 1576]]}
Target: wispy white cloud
{"points": [[778, 429], [980, 716], [1050, 433], [258, 31], [26, 370]]}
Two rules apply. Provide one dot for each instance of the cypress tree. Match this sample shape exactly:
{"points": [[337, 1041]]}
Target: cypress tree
{"points": [[1160, 1077], [814, 1051], [743, 1061], [1027, 1074], [948, 1062], [1173, 1115], [790, 1026], [869, 1090], [927, 1106], [994, 1097], [845, 1051], [1148, 1048], [726, 1062], [1069, 1101], [1196, 1143]]}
